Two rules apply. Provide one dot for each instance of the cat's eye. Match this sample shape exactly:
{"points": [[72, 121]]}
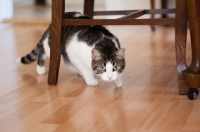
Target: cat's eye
{"points": [[102, 68], [116, 68]]}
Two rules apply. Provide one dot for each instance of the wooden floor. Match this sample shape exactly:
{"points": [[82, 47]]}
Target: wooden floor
{"points": [[147, 102]]}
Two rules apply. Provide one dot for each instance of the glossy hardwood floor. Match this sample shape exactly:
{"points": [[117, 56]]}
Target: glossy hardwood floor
{"points": [[147, 102]]}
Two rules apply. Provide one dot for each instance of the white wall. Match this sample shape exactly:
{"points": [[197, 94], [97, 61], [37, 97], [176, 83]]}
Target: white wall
{"points": [[6, 9], [130, 5], [79, 2]]}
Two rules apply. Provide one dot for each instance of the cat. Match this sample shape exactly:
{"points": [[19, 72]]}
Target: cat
{"points": [[91, 51]]}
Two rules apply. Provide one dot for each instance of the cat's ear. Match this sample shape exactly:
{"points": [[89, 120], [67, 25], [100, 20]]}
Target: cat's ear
{"points": [[120, 53], [96, 54]]}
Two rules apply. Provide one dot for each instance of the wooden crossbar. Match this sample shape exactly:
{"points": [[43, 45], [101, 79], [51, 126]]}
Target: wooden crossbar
{"points": [[124, 12], [160, 21], [133, 15]]}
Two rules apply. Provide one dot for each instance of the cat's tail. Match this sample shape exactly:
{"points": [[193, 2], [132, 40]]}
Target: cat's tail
{"points": [[36, 52], [29, 58]]}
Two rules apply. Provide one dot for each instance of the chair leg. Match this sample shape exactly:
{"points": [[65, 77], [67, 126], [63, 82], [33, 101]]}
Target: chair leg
{"points": [[56, 40], [152, 3], [89, 8], [40, 2], [164, 6], [180, 41]]}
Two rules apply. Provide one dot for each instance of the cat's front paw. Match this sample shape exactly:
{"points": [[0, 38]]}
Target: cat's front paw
{"points": [[118, 83], [92, 82]]}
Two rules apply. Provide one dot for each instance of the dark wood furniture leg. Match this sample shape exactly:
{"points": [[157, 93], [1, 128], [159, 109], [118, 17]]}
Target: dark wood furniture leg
{"points": [[152, 3], [164, 6], [56, 40], [40, 2], [89, 8], [180, 41], [191, 75]]}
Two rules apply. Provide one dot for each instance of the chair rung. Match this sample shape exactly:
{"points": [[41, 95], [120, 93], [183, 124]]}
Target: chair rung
{"points": [[133, 15], [160, 21], [124, 12]]}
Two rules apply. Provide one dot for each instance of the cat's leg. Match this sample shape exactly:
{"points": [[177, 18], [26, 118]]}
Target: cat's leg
{"points": [[41, 63], [44, 51], [118, 82], [74, 69], [86, 72], [89, 77]]}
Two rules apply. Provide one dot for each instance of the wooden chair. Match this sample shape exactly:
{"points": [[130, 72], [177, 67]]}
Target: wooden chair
{"points": [[187, 77]]}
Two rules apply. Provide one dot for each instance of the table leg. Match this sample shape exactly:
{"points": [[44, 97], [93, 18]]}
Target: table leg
{"points": [[191, 75]]}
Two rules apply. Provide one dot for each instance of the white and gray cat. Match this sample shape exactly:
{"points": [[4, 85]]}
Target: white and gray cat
{"points": [[89, 51]]}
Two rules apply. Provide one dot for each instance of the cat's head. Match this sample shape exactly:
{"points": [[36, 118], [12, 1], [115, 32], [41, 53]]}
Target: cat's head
{"points": [[108, 67]]}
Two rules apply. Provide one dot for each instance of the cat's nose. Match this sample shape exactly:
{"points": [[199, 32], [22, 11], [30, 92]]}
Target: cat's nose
{"points": [[109, 76]]}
